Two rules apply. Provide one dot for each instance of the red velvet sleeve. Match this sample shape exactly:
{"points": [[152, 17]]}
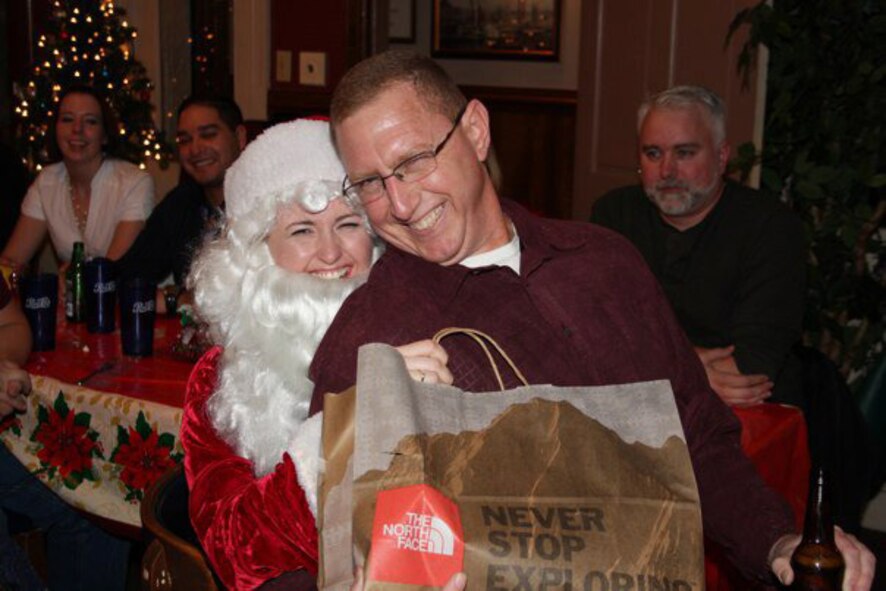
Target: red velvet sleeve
{"points": [[252, 529]]}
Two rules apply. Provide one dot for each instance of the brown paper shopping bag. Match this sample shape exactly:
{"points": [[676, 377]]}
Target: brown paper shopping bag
{"points": [[335, 505], [539, 487]]}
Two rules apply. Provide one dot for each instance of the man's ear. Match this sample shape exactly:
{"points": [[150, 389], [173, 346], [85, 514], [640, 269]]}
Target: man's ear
{"points": [[241, 136], [476, 122]]}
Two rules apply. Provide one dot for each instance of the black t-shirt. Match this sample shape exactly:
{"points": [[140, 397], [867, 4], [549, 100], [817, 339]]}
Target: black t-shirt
{"points": [[172, 234]]}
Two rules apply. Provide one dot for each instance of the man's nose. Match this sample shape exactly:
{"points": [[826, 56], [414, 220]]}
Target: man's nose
{"points": [[402, 198], [196, 145], [668, 166]]}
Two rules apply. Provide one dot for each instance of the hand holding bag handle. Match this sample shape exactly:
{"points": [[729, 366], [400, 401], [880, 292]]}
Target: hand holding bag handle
{"points": [[482, 338]]}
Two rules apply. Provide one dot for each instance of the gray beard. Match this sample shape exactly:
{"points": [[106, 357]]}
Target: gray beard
{"points": [[685, 202]]}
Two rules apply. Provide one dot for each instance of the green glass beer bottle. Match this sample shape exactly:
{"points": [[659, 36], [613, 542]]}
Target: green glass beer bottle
{"points": [[75, 285], [817, 564]]}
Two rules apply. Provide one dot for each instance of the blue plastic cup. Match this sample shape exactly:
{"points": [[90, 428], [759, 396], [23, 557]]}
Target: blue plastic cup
{"points": [[39, 294], [101, 295], [137, 313]]}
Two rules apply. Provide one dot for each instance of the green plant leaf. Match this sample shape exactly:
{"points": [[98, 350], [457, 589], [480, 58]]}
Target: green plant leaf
{"points": [[822, 174], [877, 181], [771, 180], [810, 190]]}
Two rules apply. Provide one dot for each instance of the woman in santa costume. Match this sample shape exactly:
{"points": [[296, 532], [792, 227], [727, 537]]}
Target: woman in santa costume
{"points": [[293, 249]]}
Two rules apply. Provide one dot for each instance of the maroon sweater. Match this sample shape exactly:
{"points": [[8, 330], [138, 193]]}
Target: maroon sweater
{"points": [[585, 310]]}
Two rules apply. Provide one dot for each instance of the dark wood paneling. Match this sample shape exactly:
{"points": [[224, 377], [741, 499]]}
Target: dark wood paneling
{"points": [[285, 105], [533, 135]]}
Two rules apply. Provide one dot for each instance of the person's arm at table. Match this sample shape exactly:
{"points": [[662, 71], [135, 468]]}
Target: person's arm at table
{"points": [[15, 334], [860, 562], [133, 209], [26, 238], [253, 529], [15, 384], [733, 387], [125, 234]]}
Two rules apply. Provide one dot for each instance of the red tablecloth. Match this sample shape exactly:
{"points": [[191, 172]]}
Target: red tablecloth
{"points": [[774, 438], [159, 378]]}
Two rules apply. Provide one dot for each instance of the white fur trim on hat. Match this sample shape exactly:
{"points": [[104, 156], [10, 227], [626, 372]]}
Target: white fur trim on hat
{"points": [[278, 161]]}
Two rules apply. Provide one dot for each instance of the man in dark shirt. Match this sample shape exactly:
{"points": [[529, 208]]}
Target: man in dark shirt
{"points": [[731, 260], [210, 136], [572, 304]]}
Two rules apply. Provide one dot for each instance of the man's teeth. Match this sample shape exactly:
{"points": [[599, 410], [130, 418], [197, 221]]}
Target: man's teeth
{"points": [[333, 274], [428, 220]]}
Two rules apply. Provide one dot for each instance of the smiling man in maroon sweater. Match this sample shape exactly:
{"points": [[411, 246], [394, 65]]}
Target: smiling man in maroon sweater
{"points": [[572, 304]]}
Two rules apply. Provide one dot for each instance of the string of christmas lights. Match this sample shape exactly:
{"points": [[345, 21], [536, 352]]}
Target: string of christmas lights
{"points": [[88, 42]]}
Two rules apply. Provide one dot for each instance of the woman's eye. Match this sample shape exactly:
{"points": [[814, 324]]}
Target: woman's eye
{"points": [[349, 225], [299, 231]]}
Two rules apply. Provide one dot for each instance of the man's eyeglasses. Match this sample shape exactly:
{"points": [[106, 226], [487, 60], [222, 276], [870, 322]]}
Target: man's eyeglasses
{"points": [[413, 169]]}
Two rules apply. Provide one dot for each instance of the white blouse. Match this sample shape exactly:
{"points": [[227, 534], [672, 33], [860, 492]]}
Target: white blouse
{"points": [[120, 192]]}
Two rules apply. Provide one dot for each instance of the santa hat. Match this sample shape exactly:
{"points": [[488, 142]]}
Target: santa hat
{"points": [[293, 159]]}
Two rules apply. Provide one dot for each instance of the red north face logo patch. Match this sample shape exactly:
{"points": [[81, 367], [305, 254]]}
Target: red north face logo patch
{"points": [[416, 537]]}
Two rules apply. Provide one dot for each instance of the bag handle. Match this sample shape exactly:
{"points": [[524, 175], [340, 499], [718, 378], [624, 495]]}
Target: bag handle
{"points": [[481, 339]]}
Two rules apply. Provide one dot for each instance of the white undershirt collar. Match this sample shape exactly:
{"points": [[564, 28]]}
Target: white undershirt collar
{"points": [[507, 255]]}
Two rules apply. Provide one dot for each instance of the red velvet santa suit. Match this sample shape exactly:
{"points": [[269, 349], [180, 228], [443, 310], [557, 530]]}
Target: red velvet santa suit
{"points": [[252, 528]]}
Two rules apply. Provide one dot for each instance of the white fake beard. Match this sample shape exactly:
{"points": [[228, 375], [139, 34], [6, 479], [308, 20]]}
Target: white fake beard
{"points": [[264, 393]]}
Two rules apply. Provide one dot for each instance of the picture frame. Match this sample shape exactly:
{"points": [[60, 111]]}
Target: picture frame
{"points": [[496, 29], [401, 21]]}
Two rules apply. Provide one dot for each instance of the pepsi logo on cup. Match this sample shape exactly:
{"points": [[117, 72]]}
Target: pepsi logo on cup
{"points": [[107, 287], [43, 303], [143, 307]]}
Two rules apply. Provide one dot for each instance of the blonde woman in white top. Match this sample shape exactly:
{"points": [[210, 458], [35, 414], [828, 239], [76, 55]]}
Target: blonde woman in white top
{"points": [[89, 196]]}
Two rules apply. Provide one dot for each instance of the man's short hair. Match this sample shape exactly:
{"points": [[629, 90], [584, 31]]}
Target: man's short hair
{"points": [[368, 79], [681, 97], [227, 109]]}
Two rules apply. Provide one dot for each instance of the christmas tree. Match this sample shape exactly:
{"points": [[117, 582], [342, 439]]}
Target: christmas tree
{"points": [[88, 42]]}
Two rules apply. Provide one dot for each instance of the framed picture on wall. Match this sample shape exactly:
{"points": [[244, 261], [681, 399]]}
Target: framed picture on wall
{"points": [[496, 29], [401, 21]]}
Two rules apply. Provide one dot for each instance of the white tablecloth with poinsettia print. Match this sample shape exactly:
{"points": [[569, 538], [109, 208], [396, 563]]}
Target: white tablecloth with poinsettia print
{"points": [[99, 451]]}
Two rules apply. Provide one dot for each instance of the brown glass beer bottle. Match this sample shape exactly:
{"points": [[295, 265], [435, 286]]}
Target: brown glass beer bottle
{"points": [[817, 564]]}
